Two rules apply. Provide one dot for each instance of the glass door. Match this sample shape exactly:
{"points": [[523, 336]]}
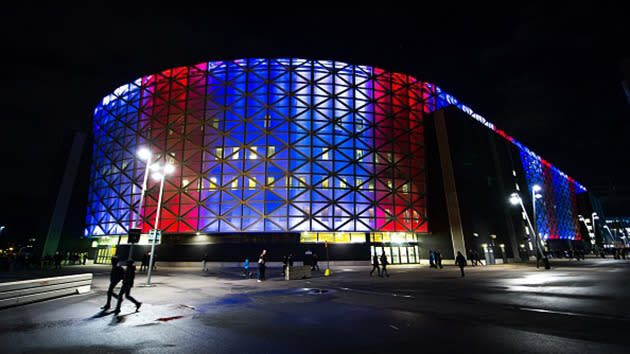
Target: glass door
{"points": [[403, 255]]}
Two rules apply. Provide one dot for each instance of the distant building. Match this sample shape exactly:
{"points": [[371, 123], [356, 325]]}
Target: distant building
{"points": [[290, 154]]}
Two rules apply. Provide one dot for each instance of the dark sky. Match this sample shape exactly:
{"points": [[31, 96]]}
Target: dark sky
{"points": [[550, 77]]}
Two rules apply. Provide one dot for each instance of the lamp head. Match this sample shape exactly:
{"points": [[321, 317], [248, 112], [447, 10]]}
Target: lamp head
{"points": [[157, 176], [144, 154], [515, 199], [536, 188], [168, 169]]}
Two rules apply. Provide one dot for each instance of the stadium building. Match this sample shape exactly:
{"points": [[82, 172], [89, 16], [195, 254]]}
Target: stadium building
{"points": [[294, 154]]}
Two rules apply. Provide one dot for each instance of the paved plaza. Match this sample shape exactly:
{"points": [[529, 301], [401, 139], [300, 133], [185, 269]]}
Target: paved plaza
{"points": [[574, 307]]}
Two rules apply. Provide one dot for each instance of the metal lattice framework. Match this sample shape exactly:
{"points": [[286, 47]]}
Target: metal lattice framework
{"points": [[264, 146], [556, 211]]}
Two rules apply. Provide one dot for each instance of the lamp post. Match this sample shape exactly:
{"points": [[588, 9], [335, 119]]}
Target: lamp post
{"points": [[515, 199], [535, 195], [159, 173], [145, 155]]}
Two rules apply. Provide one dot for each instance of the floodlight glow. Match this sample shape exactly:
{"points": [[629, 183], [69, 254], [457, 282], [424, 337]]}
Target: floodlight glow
{"points": [[157, 176], [515, 199], [144, 154], [536, 188], [156, 167], [168, 169]]}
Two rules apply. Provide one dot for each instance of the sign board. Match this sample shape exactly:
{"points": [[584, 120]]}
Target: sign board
{"points": [[152, 235], [134, 236]]}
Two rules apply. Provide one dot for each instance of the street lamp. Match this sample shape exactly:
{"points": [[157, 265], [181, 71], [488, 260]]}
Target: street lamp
{"points": [[159, 173], [515, 199], [145, 155]]}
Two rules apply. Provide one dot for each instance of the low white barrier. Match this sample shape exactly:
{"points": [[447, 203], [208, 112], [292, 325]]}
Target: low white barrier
{"points": [[27, 291]]}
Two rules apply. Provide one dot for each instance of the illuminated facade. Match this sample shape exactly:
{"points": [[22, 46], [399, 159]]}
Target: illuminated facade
{"points": [[327, 150]]}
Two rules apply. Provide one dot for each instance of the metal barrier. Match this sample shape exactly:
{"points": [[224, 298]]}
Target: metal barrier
{"points": [[27, 291]]}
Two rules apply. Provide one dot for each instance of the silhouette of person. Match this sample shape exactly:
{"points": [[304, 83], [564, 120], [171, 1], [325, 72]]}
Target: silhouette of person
{"points": [[384, 264], [262, 266], [130, 275], [375, 266], [460, 261], [115, 277]]}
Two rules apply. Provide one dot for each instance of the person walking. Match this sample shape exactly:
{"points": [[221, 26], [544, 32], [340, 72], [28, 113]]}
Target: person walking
{"points": [[460, 261], [116, 275], [261, 266], [290, 260], [477, 258], [438, 259], [128, 278], [308, 258], [315, 266], [285, 261], [145, 262], [153, 267], [384, 264], [431, 259], [375, 266], [57, 258], [246, 272], [205, 262]]}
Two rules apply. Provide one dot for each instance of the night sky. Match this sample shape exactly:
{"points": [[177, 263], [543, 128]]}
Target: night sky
{"points": [[550, 77]]}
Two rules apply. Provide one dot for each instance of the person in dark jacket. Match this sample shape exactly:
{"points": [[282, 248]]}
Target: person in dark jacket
{"points": [[130, 275], [314, 261], [431, 259], [438, 259], [205, 262], [384, 264], [460, 261], [375, 266], [285, 262], [262, 266], [57, 258], [145, 262], [115, 277]]}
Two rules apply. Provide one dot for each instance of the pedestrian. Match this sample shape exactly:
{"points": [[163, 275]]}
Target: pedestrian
{"points": [[115, 276], [315, 266], [57, 258], [290, 260], [285, 262], [438, 259], [246, 272], [84, 258], [144, 262], [153, 267], [431, 259], [460, 261], [375, 265], [262, 266], [308, 257], [470, 256], [205, 262], [130, 275], [477, 258], [384, 264]]}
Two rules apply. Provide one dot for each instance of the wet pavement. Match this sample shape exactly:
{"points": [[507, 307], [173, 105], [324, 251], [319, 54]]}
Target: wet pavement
{"points": [[574, 307]]}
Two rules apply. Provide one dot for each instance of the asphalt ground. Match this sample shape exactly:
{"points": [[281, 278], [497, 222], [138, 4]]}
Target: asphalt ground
{"points": [[574, 307]]}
